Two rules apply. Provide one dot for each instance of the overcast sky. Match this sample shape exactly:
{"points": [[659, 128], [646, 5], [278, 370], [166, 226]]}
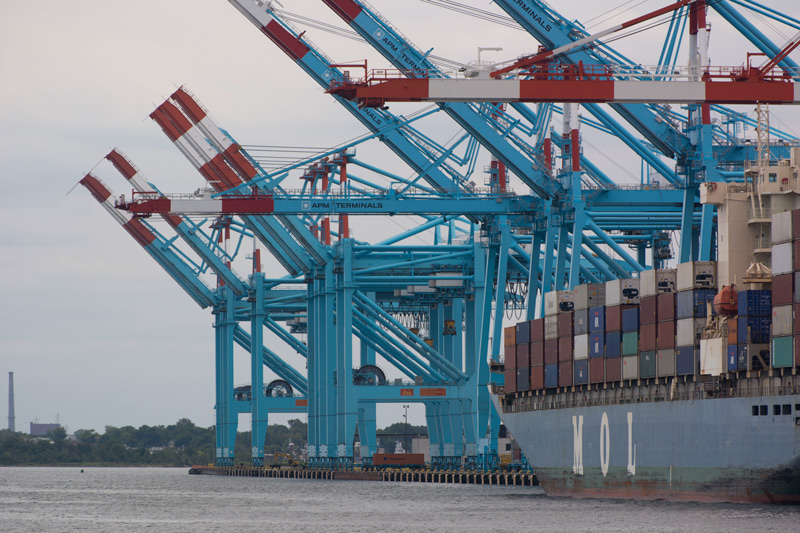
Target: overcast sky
{"points": [[94, 331]]}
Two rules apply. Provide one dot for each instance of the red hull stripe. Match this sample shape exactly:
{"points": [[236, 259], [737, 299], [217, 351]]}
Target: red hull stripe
{"points": [[347, 9], [121, 164], [139, 232], [189, 106], [285, 40], [97, 189]]}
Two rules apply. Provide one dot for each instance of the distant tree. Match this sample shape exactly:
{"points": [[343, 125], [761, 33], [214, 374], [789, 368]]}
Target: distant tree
{"points": [[87, 436]]}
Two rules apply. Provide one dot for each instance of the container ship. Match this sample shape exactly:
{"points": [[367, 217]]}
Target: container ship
{"points": [[682, 384]]}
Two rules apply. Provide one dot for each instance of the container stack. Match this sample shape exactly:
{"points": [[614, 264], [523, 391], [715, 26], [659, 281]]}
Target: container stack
{"points": [[753, 329], [588, 297], [796, 268], [510, 361], [783, 274], [656, 326], [621, 317], [697, 286]]}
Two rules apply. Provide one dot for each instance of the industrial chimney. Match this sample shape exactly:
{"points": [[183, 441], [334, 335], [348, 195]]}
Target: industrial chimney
{"points": [[11, 401]]}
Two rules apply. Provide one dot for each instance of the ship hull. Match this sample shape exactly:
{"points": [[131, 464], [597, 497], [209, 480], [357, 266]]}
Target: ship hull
{"points": [[712, 450]]}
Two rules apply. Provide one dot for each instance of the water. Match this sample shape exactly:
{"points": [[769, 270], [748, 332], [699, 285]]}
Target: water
{"points": [[168, 499]]}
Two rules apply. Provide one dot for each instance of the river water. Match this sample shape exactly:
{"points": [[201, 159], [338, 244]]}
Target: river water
{"points": [[168, 499]]}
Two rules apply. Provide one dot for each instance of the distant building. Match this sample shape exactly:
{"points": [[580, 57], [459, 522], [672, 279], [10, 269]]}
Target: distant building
{"points": [[40, 430]]}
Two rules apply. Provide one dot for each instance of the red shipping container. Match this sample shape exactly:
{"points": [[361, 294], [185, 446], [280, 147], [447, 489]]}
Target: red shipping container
{"points": [[565, 350], [666, 307], [510, 336], [537, 377], [782, 289], [647, 338], [551, 352], [565, 324], [796, 251], [537, 330], [511, 380], [511, 357], [797, 351], [613, 370], [596, 366], [565, 374], [796, 224], [537, 354], [666, 334], [797, 318], [523, 355], [647, 310], [614, 318]]}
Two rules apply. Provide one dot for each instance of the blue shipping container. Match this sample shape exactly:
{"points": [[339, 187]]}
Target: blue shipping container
{"points": [[551, 376], [581, 375], [613, 344], [596, 344], [523, 332], [630, 320], [742, 355], [733, 357], [597, 319], [757, 326], [685, 361], [692, 304], [755, 303]]}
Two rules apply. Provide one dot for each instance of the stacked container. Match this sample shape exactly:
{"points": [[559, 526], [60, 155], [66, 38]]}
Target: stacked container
{"points": [[783, 274], [589, 300], [697, 286], [796, 269], [537, 354], [510, 348], [753, 329]]}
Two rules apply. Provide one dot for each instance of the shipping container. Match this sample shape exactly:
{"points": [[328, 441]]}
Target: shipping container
{"points": [[782, 352], [551, 376], [630, 343], [733, 357], [688, 331], [537, 377], [523, 355], [782, 227], [565, 374], [614, 318], [755, 303], [630, 367], [596, 344], [565, 349], [743, 357], [648, 334], [697, 275], [510, 359], [614, 344], [782, 259], [754, 329], [694, 303], [647, 311], [613, 370], [551, 352], [797, 318], [796, 255], [665, 365], [657, 281], [537, 353], [630, 320], [558, 302], [597, 319], [647, 365], [589, 295], [537, 330], [550, 327], [712, 356], [753, 356], [797, 280], [665, 304], [523, 378], [581, 321], [797, 351], [523, 333], [782, 289], [782, 321], [733, 330], [686, 361], [565, 324], [666, 335], [510, 336], [581, 346], [510, 380], [622, 292], [581, 372], [596, 370], [796, 224]]}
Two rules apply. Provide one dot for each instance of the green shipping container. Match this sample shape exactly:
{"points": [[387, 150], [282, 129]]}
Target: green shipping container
{"points": [[647, 365], [782, 352], [630, 343]]}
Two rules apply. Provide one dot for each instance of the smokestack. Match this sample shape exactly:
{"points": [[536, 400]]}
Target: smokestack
{"points": [[11, 401]]}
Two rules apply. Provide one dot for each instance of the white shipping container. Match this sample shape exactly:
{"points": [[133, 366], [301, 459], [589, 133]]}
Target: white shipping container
{"points": [[558, 302], [782, 259], [622, 292], [581, 346], [657, 281], [688, 331], [782, 321], [550, 303], [697, 275], [782, 227], [630, 367], [589, 295], [550, 327], [713, 354]]}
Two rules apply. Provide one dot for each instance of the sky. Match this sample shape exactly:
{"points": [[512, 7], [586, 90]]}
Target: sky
{"points": [[94, 331]]}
